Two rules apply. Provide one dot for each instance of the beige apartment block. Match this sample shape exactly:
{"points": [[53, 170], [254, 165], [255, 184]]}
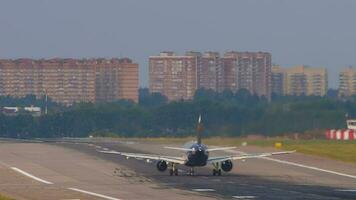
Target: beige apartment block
{"points": [[68, 81], [299, 80], [347, 82]]}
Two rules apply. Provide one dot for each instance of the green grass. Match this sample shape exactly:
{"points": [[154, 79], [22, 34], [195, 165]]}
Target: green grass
{"points": [[337, 150], [5, 198]]}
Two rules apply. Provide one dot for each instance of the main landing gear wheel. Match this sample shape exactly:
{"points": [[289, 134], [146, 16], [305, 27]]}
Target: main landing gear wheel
{"points": [[216, 172], [175, 172], [217, 169], [191, 172]]}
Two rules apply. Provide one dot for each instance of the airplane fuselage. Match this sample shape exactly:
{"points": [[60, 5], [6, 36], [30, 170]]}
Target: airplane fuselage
{"points": [[198, 157]]}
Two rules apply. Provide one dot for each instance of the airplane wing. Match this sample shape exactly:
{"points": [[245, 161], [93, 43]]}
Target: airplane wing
{"points": [[245, 156], [171, 159], [220, 149]]}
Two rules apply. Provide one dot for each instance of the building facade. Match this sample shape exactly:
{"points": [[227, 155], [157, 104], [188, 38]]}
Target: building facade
{"points": [[210, 72], [174, 76], [248, 70], [277, 78], [178, 77], [68, 81], [347, 82], [300, 80]]}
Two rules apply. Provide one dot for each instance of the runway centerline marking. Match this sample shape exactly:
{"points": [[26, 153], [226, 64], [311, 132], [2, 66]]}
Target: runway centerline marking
{"points": [[93, 194], [203, 190], [30, 175], [299, 165], [244, 197]]}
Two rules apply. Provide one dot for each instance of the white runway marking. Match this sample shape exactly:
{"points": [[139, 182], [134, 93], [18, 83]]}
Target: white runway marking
{"points": [[30, 175], [346, 190], [310, 167], [93, 194], [203, 190], [244, 197], [300, 165], [70, 199]]}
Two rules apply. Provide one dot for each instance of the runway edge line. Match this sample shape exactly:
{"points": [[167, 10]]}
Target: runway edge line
{"points": [[93, 194], [30, 175]]}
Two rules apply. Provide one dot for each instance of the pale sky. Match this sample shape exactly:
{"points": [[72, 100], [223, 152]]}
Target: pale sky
{"points": [[311, 32]]}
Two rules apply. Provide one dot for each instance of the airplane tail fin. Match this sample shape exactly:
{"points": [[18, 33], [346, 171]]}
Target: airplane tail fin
{"points": [[199, 130]]}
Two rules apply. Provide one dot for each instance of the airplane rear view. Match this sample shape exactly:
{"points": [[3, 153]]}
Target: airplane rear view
{"points": [[197, 155]]}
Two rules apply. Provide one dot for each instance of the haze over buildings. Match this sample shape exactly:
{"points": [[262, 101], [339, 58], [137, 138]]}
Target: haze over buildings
{"points": [[70, 80], [299, 80], [347, 82], [315, 33], [178, 77]]}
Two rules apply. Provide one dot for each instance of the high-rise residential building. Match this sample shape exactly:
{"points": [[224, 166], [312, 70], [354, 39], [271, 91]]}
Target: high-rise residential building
{"points": [[174, 76], [277, 77], [70, 80], [210, 72], [248, 70], [116, 79], [347, 82], [178, 77], [300, 80]]}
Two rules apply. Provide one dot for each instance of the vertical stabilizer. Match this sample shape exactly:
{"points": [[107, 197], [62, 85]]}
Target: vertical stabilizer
{"points": [[199, 130]]}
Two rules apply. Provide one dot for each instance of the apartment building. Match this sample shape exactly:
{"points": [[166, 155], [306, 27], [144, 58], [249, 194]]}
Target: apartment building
{"points": [[299, 80], [277, 78], [174, 76], [248, 70], [178, 77], [68, 81], [210, 72], [347, 82]]}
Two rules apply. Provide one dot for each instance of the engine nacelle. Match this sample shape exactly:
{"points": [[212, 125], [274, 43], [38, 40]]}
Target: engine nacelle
{"points": [[162, 165], [226, 165]]}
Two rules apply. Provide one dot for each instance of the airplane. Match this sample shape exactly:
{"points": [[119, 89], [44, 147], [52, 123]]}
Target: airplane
{"points": [[197, 155]]}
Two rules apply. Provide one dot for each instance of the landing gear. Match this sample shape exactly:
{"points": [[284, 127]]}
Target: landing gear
{"points": [[191, 171], [216, 172], [173, 170], [217, 169]]}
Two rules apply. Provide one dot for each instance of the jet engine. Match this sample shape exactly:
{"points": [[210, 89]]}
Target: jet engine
{"points": [[226, 165], [161, 165]]}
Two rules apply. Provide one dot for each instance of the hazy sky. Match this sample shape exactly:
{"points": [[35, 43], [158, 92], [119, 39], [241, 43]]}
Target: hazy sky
{"points": [[312, 32]]}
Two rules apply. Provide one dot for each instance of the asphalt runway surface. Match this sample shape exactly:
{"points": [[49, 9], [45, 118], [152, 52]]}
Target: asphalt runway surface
{"points": [[295, 176]]}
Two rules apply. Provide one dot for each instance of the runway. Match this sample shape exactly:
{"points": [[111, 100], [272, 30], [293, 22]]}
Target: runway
{"points": [[41, 171], [76, 164]]}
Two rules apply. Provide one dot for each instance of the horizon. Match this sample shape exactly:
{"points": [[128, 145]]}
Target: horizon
{"points": [[313, 33]]}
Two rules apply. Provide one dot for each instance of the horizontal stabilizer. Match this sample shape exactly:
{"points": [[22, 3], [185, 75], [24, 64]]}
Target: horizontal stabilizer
{"points": [[220, 149], [179, 148]]}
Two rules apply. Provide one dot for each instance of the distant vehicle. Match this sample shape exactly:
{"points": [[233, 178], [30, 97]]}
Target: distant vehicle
{"points": [[351, 124], [197, 155]]}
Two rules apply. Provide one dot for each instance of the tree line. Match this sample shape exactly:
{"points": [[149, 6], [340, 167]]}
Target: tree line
{"points": [[224, 114]]}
